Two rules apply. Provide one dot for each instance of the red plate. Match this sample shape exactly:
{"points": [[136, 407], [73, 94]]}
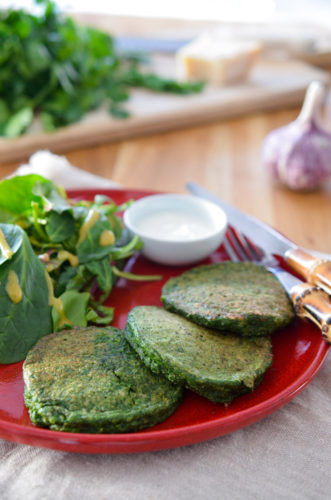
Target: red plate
{"points": [[299, 352]]}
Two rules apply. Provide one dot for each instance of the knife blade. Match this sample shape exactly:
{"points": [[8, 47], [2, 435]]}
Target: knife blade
{"points": [[150, 44], [314, 267], [272, 38]]}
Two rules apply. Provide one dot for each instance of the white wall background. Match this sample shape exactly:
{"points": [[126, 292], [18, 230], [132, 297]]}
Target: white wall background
{"points": [[316, 11]]}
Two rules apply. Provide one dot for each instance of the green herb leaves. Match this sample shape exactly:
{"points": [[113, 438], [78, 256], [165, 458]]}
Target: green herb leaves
{"points": [[60, 227], [61, 266], [55, 69], [25, 315], [16, 194]]}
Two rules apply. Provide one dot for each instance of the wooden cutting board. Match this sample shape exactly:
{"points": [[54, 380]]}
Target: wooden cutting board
{"points": [[272, 85]]}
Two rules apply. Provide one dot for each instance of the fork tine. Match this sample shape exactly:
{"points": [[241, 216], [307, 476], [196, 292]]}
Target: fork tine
{"points": [[240, 245], [229, 250], [240, 248], [254, 249]]}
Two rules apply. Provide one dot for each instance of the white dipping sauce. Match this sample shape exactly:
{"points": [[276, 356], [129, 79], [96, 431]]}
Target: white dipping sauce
{"points": [[174, 225], [176, 229]]}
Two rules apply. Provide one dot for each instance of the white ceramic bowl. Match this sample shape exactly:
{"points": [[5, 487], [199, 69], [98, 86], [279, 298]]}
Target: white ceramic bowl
{"points": [[176, 229]]}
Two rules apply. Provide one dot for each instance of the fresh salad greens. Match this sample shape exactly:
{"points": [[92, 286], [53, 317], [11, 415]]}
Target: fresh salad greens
{"points": [[25, 314], [58, 70], [59, 260]]}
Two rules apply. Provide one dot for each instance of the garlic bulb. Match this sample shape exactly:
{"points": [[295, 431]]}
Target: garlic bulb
{"points": [[299, 154]]}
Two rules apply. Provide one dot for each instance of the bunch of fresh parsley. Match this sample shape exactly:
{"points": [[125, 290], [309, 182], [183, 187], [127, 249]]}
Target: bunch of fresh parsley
{"points": [[54, 68]]}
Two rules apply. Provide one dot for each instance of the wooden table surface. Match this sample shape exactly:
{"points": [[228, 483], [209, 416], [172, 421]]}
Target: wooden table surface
{"points": [[224, 157]]}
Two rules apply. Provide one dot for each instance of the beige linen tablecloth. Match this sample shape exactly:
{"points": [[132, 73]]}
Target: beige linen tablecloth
{"points": [[284, 456]]}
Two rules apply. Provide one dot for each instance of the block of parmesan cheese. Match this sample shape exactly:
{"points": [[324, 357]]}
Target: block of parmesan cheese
{"points": [[217, 61]]}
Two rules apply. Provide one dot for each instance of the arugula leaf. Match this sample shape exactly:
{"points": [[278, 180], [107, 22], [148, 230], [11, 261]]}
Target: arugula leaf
{"points": [[24, 322], [105, 316], [128, 249]]}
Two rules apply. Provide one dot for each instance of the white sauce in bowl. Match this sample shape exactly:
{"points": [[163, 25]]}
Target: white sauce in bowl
{"points": [[176, 229], [174, 225]]}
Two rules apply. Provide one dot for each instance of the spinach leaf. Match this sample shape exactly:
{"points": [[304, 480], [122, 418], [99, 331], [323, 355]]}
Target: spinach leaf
{"points": [[52, 196], [16, 193], [64, 279], [78, 279], [103, 272], [60, 226], [89, 249], [24, 321], [74, 306]]}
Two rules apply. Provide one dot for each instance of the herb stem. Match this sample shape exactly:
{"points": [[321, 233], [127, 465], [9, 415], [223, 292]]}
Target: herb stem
{"points": [[37, 226], [136, 277]]}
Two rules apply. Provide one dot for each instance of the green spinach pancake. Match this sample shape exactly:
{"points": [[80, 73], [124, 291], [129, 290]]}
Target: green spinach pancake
{"points": [[215, 365], [91, 380], [242, 297]]}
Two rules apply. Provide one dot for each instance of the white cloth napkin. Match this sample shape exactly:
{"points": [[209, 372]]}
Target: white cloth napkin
{"points": [[58, 169]]}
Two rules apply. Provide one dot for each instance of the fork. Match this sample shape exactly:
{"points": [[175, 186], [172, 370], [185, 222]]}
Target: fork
{"points": [[309, 301]]}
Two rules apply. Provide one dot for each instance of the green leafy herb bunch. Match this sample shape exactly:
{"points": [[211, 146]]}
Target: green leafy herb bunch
{"points": [[57, 70]]}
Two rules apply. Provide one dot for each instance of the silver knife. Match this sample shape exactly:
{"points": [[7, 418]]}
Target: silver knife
{"points": [[300, 46], [315, 267], [150, 44]]}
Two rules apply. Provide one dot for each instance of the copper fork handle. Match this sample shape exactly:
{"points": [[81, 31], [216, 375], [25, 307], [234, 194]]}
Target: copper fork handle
{"points": [[313, 303], [314, 270]]}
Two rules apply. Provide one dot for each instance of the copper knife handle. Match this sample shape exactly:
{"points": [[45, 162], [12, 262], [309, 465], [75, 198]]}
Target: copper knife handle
{"points": [[313, 303], [314, 270]]}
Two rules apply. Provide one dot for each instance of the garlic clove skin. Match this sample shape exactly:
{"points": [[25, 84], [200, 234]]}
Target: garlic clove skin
{"points": [[308, 160], [299, 154], [273, 153]]}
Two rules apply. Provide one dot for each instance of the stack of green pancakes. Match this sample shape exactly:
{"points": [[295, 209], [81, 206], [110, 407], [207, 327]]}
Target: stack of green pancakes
{"points": [[213, 337]]}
